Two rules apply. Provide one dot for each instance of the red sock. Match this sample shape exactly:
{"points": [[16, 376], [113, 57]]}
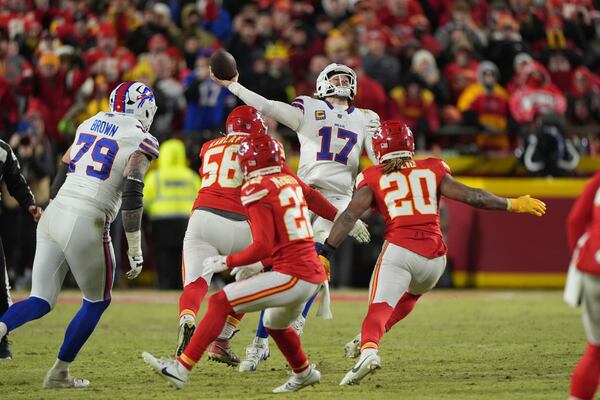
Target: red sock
{"points": [[586, 376], [192, 296], [405, 305], [373, 324], [208, 329], [288, 342]]}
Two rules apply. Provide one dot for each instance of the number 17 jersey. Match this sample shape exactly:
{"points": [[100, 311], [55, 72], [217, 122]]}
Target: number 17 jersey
{"points": [[99, 154], [332, 138], [409, 201]]}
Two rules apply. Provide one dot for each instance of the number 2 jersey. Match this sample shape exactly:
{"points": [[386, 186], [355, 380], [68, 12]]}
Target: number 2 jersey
{"points": [[409, 201], [281, 228], [99, 154], [222, 180]]}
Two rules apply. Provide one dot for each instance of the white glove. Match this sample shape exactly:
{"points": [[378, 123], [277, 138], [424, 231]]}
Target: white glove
{"points": [[360, 232], [247, 271], [214, 265], [373, 126], [136, 263]]}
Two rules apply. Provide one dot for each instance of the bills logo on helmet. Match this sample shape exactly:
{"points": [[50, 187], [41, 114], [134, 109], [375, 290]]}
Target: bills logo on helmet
{"points": [[145, 95]]}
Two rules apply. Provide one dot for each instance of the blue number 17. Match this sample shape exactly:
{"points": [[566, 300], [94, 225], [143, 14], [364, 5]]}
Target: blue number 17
{"points": [[341, 157]]}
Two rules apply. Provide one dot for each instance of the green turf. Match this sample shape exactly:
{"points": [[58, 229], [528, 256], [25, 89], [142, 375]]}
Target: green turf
{"points": [[455, 345]]}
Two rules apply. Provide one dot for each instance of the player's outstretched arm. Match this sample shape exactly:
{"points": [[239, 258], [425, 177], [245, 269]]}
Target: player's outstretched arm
{"points": [[282, 112], [132, 209], [345, 222], [480, 198]]}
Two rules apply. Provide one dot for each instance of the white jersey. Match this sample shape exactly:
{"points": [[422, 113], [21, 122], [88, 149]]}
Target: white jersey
{"points": [[99, 154], [332, 138]]}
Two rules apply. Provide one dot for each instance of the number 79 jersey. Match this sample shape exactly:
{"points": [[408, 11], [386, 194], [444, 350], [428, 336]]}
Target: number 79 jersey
{"points": [[99, 154], [332, 138], [409, 201]]}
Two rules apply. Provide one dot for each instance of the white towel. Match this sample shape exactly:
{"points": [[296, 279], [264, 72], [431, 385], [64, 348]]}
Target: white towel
{"points": [[325, 303]]}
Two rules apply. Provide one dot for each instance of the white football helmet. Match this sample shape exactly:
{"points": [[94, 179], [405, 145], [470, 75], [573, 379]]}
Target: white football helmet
{"points": [[325, 88], [134, 99]]}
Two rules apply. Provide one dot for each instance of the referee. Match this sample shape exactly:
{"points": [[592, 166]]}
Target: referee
{"points": [[10, 172]]}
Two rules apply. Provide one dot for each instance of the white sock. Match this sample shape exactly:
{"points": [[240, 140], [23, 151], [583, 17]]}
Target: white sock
{"points": [[367, 352], [227, 332], [185, 318], [304, 373], [60, 365], [261, 341], [181, 370], [3, 329]]}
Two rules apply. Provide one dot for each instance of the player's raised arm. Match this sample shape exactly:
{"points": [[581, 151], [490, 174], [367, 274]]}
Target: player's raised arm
{"points": [[132, 209], [282, 112], [480, 198]]}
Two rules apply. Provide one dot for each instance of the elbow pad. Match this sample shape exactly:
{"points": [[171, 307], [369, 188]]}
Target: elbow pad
{"points": [[133, 193]]}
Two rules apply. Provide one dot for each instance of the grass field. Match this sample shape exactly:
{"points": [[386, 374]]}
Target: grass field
{"points": [[455, 345]]}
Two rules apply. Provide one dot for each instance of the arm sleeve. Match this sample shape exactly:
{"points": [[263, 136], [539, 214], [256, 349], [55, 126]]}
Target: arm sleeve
{"points": [[284, 113], [263, 237], [581, 213], [316, 202], [15, 181]]}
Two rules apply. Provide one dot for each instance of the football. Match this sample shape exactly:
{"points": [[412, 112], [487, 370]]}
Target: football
{"points": [[223, 65]]}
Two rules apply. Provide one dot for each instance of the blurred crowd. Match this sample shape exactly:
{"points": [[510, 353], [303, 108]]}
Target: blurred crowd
{"points": [[509, 76]]}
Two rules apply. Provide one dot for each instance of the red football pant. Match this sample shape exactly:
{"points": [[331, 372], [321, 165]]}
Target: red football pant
{"points": [[404, 306], [288, 342], [208, 329], [192, 296], [586, 375]]}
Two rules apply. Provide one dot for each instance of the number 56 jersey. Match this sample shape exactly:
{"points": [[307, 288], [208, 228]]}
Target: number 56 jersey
{"points": [[332, 138], [99, 154], [409, 201]]}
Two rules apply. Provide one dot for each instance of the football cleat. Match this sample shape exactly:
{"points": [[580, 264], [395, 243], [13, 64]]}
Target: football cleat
{"points": [[352, 348], [255, 353], [298, 324], [5, 353], [221, 351], [296, 382], [368, 363], [186, 331], [169, 369], [56, 379]]}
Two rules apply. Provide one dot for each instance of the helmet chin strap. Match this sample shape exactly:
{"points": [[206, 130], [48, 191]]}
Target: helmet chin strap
{"points": [[264, 171]]}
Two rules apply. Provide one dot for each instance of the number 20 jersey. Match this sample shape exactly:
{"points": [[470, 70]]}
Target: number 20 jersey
{"points": [[332, 139], [409, 201], [99, 154]]}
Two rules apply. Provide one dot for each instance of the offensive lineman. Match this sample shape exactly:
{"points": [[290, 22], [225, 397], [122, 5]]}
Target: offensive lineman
{"points": [[332, 134], [281, 229], [406, 192], [219, 226], [103, 168]]}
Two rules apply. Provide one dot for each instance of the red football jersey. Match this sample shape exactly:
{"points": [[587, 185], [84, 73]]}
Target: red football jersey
{"points": [[409, 201], [222, 180], [584, 219], [281, 228], [221, 175]]}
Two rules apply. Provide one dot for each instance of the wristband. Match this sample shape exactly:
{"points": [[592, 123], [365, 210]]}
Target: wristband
{"points": [[327, 250], [134, 241]]}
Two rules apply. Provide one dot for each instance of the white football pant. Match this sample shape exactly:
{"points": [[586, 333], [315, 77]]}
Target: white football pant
{"points": [[73, 237], [399, 270]]}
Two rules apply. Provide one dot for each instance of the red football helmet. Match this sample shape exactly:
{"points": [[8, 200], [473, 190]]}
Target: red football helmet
{"points": [[394, 139], [259, 153], [245, 119]]}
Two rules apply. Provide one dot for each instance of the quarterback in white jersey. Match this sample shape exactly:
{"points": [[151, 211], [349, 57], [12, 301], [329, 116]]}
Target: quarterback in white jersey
{"points": [[332, 134], [103, 168]]}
